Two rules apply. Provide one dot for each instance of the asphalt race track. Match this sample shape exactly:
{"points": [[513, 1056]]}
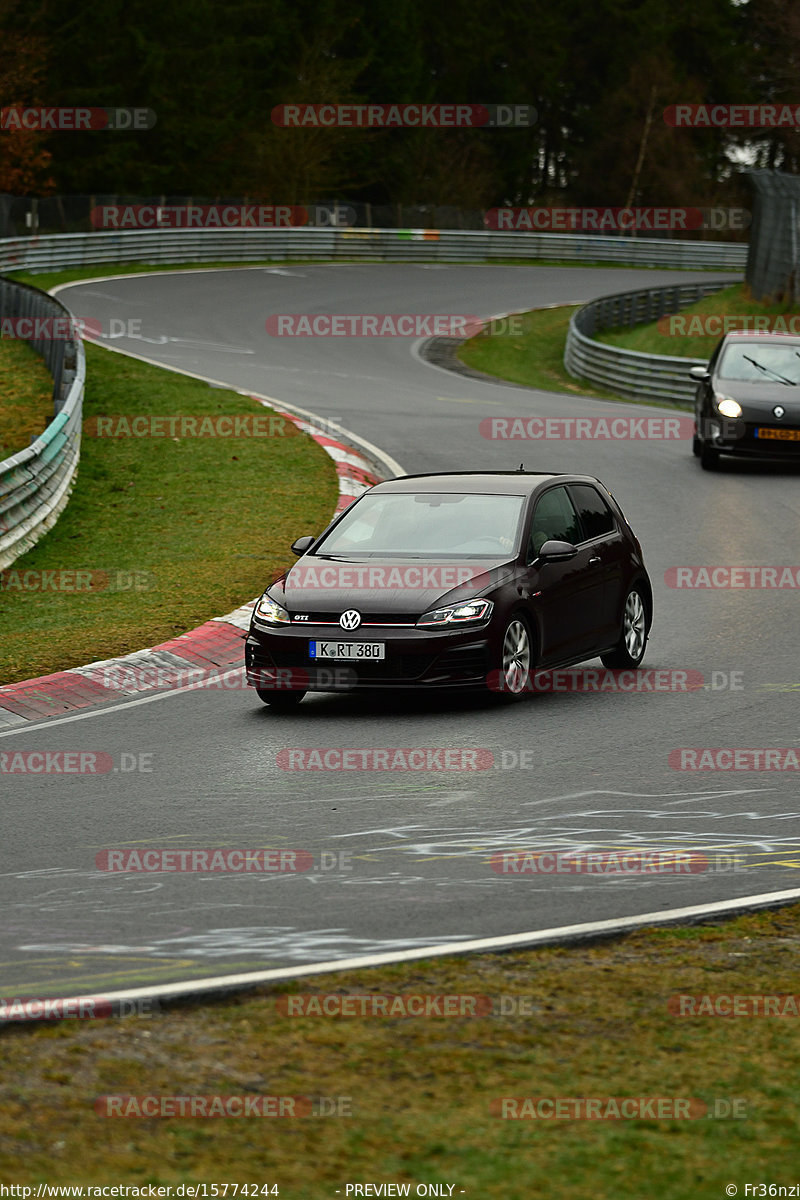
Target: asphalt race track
{"points": [[408, 854]]}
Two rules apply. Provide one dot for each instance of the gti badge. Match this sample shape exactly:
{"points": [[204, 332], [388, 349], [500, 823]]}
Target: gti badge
{"points": [[350, 619]]}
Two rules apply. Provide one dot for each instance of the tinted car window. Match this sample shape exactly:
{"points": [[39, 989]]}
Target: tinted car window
{"points": [[596, 516], [426, 525], [553, 517]]}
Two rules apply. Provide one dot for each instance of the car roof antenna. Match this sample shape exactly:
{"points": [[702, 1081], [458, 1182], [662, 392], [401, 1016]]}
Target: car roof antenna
{"points": [[521, 467]]}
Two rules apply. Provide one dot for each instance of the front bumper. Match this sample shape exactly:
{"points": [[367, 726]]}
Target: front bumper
{"points": [[415, 658], [739, 437]]}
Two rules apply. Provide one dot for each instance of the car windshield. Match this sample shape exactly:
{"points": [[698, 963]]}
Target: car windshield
{"points": [[427, 525], [767, 362]]}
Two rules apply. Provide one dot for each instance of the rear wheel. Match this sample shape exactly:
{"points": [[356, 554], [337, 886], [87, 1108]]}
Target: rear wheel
{"points": [[285, 700], [629, 650], [696, 446]]}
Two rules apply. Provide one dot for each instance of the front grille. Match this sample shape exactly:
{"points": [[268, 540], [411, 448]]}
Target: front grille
{"points": [[332, 619]]}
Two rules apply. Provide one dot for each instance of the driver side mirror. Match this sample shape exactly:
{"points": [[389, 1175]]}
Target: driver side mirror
{"points": [[302, 544], [699, 374], [555, 551]]}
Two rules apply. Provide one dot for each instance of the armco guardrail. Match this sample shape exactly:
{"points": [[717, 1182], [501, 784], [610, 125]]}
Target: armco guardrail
{"points": [[629, 372], [35, 483], [57, 251]]}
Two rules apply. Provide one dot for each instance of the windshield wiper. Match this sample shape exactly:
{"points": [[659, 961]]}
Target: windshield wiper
{"points": [[769, 370]]}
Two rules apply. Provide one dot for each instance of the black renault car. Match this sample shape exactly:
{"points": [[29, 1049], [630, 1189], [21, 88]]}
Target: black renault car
{"points": [[452, 581], [748, 399]]}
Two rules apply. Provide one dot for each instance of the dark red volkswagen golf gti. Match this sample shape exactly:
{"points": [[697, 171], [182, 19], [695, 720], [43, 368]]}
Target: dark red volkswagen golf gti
{"points": [[454, 581]]}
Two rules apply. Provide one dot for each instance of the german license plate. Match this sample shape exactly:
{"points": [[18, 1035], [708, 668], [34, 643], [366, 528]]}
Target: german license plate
{"points": [[782, 435], [371, 651]]}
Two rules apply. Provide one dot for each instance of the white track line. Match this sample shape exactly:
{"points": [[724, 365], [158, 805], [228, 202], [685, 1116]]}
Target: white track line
{"points": [[560, 934]]}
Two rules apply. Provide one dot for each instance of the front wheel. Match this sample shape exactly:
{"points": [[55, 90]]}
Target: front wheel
{"points": [[629, 650], [279, 700], [516, 659]]}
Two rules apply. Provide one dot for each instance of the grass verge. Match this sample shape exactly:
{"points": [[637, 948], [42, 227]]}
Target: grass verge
{"points": [[174, 531], [595, 1023], [534, 358], [26, 396], [682, 337]]}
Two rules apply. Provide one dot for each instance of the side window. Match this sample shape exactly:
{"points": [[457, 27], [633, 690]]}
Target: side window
{"points": [[596, 517], [553, 517]]}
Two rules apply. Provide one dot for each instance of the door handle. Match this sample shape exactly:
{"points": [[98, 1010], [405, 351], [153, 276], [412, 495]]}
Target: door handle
{"points": [[594, 560]]}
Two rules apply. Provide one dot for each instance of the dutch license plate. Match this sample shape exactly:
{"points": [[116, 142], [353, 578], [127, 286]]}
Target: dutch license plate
{"points": [[782, 435], [368, 651]]}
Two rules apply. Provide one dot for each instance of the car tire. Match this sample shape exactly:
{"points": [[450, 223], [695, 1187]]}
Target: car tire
{"points": [[515, 667], [709, 457], [696, 446], [629, 650], [275, 699]]}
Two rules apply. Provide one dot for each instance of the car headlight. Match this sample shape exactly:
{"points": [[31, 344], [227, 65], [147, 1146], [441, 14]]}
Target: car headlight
{"points": [[727, 406], [470, 612], [270, 612]]}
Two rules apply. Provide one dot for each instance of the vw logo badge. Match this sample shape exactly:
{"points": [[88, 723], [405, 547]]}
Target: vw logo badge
{"points": [[350, 619], [778, 410]]}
